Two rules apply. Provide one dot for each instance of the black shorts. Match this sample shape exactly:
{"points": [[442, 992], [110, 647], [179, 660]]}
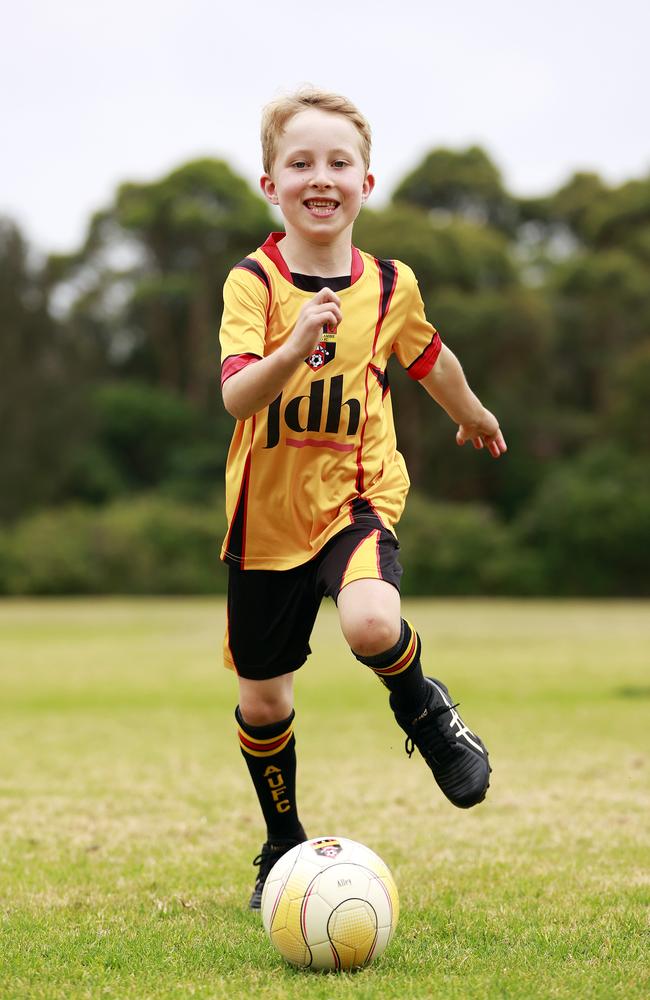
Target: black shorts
{"points": [[271, 613]]}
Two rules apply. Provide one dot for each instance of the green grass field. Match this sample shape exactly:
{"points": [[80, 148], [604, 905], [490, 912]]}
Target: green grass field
{"points": [[127, 824]]}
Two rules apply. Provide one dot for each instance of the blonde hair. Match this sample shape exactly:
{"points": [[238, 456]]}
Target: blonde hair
{"points": [[277, 114]]}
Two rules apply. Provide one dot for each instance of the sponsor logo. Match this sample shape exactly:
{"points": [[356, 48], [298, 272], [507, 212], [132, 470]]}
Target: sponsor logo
{"points": [[305, 413]]}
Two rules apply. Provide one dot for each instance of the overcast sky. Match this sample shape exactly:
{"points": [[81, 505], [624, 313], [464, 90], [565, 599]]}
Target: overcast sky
{"points": [[94, 93]]}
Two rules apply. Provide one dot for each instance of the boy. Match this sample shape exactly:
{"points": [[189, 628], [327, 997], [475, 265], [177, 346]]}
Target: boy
{"points": [[314, 483]]}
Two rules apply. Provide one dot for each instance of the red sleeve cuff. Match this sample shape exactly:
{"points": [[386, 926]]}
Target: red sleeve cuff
{"points": [[235, 363], [425, 362]]}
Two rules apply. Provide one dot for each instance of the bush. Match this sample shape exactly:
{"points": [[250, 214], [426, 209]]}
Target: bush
{"points": [[159, 547], [586, 532], [590, 522], [143, 439], [53, 553], [139, 425], [457, 549], [147, 546]]}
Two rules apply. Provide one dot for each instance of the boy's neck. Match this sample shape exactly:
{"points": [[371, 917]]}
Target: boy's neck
{"points": [[328, 260]]}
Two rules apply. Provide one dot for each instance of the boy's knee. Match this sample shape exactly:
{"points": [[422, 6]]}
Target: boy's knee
{"points": [[262, 708], [264, 713], [372, 633]]}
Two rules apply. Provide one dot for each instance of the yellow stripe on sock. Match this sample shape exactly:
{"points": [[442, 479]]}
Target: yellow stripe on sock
{"points": [[404, 661], [264, 748]]}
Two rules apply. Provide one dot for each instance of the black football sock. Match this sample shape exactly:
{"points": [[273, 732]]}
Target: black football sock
{"points": [[270, 755], [400, 670]]}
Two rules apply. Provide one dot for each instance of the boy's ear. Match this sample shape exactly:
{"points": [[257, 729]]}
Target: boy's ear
{"points": [[268, 189], [368, 185]]}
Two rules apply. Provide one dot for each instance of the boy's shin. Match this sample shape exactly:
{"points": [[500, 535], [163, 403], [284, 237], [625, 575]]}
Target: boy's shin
{"points": [[270, 755]]}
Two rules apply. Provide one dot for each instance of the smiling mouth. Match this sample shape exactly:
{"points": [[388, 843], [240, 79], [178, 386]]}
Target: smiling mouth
{"points": [[321, 206]]}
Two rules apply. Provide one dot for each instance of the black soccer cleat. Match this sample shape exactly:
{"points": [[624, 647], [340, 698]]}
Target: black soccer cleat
{"points": [[457, 757], [271, 852]]}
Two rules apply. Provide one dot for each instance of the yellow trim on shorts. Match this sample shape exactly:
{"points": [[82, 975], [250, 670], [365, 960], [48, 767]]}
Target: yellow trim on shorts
{"points": [[364, 561]]}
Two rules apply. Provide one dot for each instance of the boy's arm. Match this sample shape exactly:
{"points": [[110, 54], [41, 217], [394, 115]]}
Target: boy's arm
{"points": [[446, 383], [255, 386]]}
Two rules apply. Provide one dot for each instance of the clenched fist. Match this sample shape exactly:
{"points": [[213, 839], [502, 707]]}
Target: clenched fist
{"points": [[323, 310]]}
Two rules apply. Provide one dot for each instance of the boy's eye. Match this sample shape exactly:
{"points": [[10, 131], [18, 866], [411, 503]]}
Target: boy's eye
{"points": [[340, 163], [301, 164]]}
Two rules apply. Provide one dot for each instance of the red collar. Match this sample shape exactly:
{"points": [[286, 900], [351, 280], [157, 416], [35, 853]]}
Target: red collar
{"points": [[272, 251]]}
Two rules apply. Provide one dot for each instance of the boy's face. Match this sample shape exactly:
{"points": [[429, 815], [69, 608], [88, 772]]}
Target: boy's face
{"points": [[318, 177]]}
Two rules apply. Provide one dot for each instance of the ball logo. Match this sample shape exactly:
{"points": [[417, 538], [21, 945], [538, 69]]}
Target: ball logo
{"points": [[317, 359], [327, 848], [323, 352]]}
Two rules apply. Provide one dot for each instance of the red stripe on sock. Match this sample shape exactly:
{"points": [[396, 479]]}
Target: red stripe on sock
{"points": [[395, 668]]}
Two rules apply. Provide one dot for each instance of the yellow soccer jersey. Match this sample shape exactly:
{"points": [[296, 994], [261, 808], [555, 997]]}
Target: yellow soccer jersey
{"points": [[323, 453]]}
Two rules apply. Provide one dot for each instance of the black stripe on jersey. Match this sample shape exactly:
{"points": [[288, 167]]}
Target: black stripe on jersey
{"points": [[234, 553], [382, 379], [363, 512], [387, 282], [388, 273], [248, 264]]}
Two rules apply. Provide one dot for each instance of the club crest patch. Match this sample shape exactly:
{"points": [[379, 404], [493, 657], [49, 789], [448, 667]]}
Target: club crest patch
{"points": [[327, 848], [321, 355]]}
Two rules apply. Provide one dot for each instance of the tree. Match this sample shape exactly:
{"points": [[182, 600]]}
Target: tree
{"points": [[469, 280], [42, 403], [465, 183], [573, 203], [145, 438], [150, 273], [591, 521], [621, 219], [450, 252], [627, 417]]}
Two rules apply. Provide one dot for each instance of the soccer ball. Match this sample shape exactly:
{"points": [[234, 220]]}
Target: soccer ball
{"points": [[330, 903]]}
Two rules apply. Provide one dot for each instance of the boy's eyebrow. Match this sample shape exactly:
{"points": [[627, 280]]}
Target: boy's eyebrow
{"points": [[293, 154]]}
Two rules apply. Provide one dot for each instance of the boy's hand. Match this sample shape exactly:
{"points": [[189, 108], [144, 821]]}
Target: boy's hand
{"points": [[323, 310], [483, 433]]}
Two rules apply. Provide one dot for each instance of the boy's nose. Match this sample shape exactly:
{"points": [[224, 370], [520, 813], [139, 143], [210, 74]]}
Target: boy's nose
{"points": [[321, 178]]}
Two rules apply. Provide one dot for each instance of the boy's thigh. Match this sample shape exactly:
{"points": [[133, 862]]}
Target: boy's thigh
{"points": [[363, 551], [271, 614]]}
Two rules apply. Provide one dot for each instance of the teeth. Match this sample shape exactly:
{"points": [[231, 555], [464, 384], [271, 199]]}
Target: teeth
{"points": [[322, 204]]}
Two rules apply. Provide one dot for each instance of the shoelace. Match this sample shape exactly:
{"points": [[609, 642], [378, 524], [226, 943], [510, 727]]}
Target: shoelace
{"points": [[409, 744], [265, 861]]}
